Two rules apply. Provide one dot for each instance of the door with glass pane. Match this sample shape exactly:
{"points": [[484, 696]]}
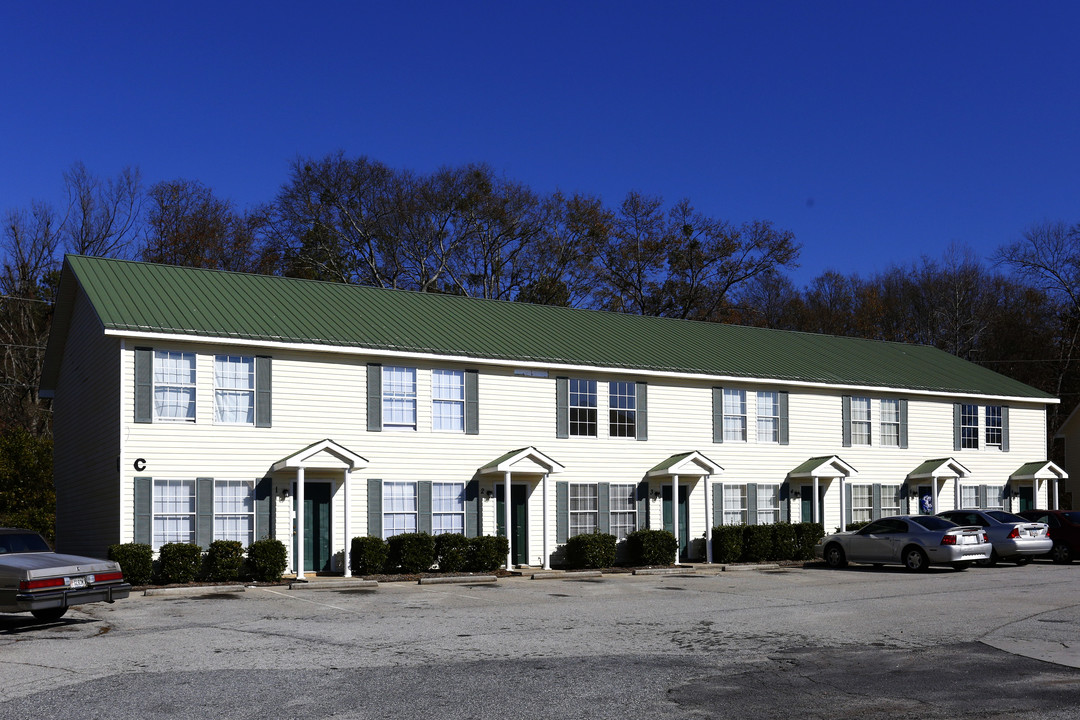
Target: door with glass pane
{"points": [[519, 520], [316, 526], [684, 518]]}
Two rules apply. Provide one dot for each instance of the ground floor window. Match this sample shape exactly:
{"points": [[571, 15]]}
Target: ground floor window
{"points": [[995, 498], [583, 509], [399, 508], [734, 504], [768, 504], [890, 500], [234, 510], [447, 508], [862, 503], [623, 500], [982, 497], [174, 512]]}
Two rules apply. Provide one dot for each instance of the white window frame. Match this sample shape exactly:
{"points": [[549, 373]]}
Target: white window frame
{"points": [[861, 422], [446, 495], [891, 492], [168, 515], [399, 397], [997, 493], [584, 505], [622, 409], [448, 400], [622, 500], [583, 408], [768, 514], [890, 422], [169, 386], [768, 419], [969, 497], [734, 415], [233, 522], [969, 427], [862, 502], [399, 508], [993, 434], [735, 508], [232, 391]]}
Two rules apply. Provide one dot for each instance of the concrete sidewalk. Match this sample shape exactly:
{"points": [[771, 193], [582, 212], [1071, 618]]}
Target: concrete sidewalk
{"points": [[1052, 637]]}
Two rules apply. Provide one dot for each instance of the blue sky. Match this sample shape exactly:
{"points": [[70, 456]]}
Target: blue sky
{"points": [[875, 131]]}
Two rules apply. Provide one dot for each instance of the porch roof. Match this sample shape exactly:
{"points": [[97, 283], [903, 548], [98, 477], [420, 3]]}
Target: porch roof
{"points": [[826, 466], [322, 454], [1041, 470], [687, 463], [943, 467], [526, 460]]}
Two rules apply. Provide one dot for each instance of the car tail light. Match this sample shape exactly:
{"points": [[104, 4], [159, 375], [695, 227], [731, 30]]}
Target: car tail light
{"points": [[948, 539], [985, 538], [1014, 533], [38, 584], [108, 577]]}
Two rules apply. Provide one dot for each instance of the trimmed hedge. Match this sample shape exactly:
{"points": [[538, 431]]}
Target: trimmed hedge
{"points": [[136, 561], [411, 552], [178, 563], [452, 551], [727, 543], [784, 541], [223, 560], [806, 536], [592, 550], [758, 543], [651, 547], [755, 543], [487, 553], [267, 560], [369, 555]]}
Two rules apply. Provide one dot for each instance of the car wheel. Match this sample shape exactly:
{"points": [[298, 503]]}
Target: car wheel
{"points": [[990, 561], [1061, 553], [915, 560], [834, 556], [961, 565], [49, 614]]}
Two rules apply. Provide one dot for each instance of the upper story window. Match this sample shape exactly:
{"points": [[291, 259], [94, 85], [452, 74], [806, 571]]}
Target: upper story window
{"points": [[447, 508], [399, 508], [234, 510], [734, 415], [890, 422], [860, 421], [174, 386], [399, 398], [582, 408], [234, 389], [768, 417], [969, 426], [993, 426], [448, 400], [622, 404], [583, 508], [623, 499]]}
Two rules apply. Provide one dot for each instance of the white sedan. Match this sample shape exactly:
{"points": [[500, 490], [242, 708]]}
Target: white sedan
{"points": [[914, 541]]}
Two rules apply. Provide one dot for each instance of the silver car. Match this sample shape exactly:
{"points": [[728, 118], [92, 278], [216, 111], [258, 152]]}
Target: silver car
{"points": [[914, 541], [1014, 538], [33, 578]]}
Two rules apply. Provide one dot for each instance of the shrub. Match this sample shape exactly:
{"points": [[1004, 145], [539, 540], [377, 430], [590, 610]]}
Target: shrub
{"points": [[727, 543], [452, 550], [369, 555], [487, 553], [784, 541], [851, 527], [178, 563], [807, 534], [411, 552], [136, 561], [651, 547], [591, 550], [757, 543], [267, 560], [223, 560]]}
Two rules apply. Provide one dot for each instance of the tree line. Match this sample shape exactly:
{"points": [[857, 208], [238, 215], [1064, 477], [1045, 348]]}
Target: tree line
{"points": [[467, 230]]}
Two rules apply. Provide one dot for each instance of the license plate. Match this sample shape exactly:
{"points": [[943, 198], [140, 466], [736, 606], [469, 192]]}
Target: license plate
{"points": [[78, 582], [968, 540]]}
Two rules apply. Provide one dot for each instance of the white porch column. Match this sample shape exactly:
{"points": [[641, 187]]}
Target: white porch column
{"points": [[506, 520], [815, 502], [1054, 500], [675, 513], [843, 525], [934, 490], [544, 493], [300, 523], [956, 494], [347, 525], [708, 519]]}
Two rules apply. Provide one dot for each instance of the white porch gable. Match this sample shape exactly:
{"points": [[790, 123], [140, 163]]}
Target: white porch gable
{"points": [[828, 466], [944, 468], [524, 461], [689, 464]]}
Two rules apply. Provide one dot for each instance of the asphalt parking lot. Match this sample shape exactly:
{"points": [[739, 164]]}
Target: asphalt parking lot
{"points": [[801, 642]]}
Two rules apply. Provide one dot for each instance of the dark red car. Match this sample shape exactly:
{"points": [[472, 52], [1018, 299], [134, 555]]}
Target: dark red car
{"points": [[1064, 531]]}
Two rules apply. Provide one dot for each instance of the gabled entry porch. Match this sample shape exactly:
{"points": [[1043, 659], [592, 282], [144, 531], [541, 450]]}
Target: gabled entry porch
{"points": [[530, 468], [821, 473], [693, 467]]}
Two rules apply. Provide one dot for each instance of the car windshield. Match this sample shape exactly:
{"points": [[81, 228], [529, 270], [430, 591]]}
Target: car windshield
{"points": [[1002, 516], [932, 523], [22, 542]]}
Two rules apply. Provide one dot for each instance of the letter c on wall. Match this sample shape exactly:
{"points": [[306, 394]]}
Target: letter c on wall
{"points": [[139, 465]]}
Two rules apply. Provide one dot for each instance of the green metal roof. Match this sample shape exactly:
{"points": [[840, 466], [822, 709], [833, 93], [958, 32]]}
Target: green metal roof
{"points": [[142, 297]]}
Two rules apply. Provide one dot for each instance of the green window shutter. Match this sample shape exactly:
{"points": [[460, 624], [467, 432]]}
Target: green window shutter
{"points": [[903, 424], [905, 506], [204, 512], [1004, 428], [782, 401], [603, 507], [472, 402], [144, 385], [847, 506], [642, 404], [263, 404], [718, 415], [472, 508], [956, 426], [423, 506], [562, 512], [785, 502], [751, 504], [717, 505], [845, 413], [562, 408], [374, 507], [875, 512], [264, 508], [374, 404], [982, 496], [144, 515], [643, 505]]}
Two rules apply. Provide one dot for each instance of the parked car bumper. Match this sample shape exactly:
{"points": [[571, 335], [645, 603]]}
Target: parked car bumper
{"points": [[25, 602], [1023, 546], [945, 554]]}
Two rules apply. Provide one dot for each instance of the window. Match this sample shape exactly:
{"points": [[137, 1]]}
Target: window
{"points": [[890, 423], [969, 426], [993, 426], [995, 498], [399, 508], [860, 421], [622, 404], [399, 398], [582, 408], [174, 386], [969, 496], [623, 499], [734, 504], [447, 508], [890, 500], [234, 390], [768, 417], [583, 507], [768, 504], [234, 510], [174, 512], [448, 400], [734, 415], [862, 503]]}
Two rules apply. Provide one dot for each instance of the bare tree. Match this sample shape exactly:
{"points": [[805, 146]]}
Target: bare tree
{"points": [[102, 215]]}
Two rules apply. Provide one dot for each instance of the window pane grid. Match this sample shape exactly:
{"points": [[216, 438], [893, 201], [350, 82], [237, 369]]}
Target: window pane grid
{"points": [[862, 503], [399, 397], [768, 504], [174, 386], [234, 389], [734, 504], [768, 417], [622, 403], [399, 508], [860, 421], [582, 407], [890, 500], [623, 506], [583, 509], [448, 400], [969, 426], [890, 423], [174, 512], [993, 426], [447, 508], [734, 415]]}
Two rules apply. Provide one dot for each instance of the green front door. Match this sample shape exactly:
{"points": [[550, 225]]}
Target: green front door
{"points": [[1027, 497], [806, 508], [316, 526], [684, 518], [519, 520]]}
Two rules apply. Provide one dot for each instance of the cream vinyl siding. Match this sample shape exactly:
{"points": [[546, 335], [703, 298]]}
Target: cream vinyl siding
{"points": [[87, 417]]}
